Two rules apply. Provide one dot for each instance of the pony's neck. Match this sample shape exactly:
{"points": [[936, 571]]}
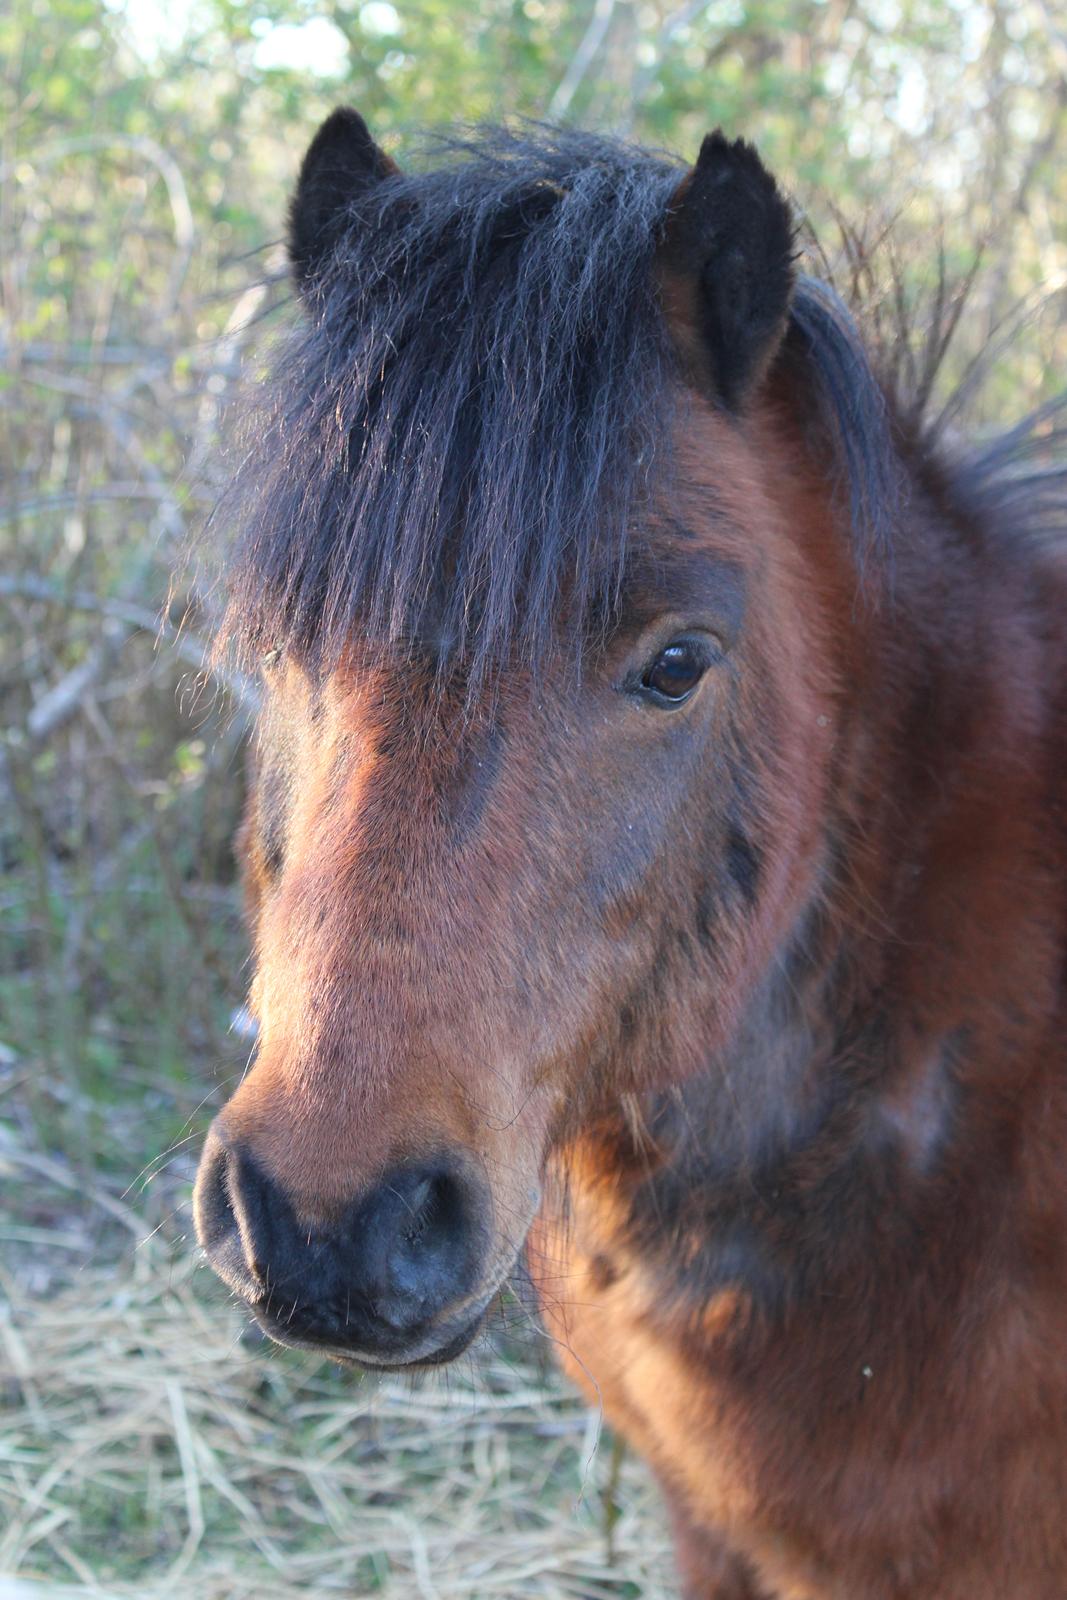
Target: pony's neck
{"points": [[936, 899], [903, 1039]]}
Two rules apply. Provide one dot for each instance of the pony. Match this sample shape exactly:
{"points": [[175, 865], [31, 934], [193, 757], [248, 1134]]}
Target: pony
{"points": [[655, 859]]}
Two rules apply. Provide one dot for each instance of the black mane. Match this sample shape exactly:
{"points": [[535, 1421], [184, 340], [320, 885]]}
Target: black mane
{"points": [[472, 410]]}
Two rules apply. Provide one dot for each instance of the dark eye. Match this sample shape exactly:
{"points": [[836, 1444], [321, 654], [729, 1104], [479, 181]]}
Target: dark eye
{"points": [[676, 671]]}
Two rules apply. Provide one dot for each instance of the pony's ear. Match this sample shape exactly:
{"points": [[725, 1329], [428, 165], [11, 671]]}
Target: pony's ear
{"points": [[342, 162], [726, 269]]}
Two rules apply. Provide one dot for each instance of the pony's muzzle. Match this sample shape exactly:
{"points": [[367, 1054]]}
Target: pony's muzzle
{"points": [[391, 1281]]}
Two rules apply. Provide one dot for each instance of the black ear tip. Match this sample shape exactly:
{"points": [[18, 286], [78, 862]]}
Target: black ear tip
{"points": [[342, 162], [731, 235], [347, 117], [716, 147], [730, 177], [732, 160], [343, 149], [344, 127]]}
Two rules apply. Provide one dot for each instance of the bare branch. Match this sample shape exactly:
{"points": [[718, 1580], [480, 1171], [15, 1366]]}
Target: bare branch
{"points": [[165, 165], [646, 74], [582, 59], [125, 619], [38, 505]]}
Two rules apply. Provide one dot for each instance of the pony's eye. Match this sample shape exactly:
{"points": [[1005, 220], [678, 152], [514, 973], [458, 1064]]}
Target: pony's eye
{"points": [[676, 671]]}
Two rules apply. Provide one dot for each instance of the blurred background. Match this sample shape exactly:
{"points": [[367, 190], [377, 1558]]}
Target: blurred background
{"points": [[149, 1445]]}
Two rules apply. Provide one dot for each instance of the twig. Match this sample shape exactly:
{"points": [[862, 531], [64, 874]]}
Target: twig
{"points": [[165, 165], [646, 74], [582, 59], [125, 619], [40, 504]]}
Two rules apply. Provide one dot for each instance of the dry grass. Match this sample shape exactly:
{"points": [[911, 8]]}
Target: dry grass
{"points": [[150, 1447]]}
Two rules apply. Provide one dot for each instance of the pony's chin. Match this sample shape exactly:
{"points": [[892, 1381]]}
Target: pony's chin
{"points": [[424, 1354], [440, 1357]]}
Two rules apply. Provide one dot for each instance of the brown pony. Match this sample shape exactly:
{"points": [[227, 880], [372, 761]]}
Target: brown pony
{"points": [[656, 861]]}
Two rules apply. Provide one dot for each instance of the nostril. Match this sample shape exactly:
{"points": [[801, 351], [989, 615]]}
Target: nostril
{"points": [[436, 1213], [417, 1238], [232, 1211], [254, 1203], [417, 1204], [212, 1210]]}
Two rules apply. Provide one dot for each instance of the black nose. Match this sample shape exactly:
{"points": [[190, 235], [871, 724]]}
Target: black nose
{"points": [[371, 1282]]}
